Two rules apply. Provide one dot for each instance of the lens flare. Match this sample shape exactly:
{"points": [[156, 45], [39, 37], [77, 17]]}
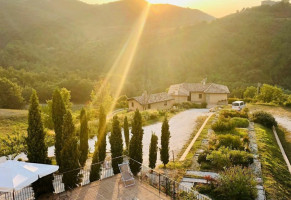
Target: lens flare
{"points": [[126, 56]]}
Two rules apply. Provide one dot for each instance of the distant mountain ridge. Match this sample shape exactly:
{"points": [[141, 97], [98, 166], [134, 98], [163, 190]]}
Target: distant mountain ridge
{"points": [[20, 15], [68, 36]]}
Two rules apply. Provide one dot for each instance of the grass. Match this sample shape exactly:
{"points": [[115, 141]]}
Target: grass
{"points": [[11, 120], [276, 177], [275, 110], [285, 138], [197, 144]]}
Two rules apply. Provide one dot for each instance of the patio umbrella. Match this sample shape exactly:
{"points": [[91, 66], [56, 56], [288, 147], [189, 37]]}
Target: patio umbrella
{"points": [[15, 175], [40, 169]]}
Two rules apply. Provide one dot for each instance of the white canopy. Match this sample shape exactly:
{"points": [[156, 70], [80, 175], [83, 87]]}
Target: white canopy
{"points": [[40, 169], [15, 175]]}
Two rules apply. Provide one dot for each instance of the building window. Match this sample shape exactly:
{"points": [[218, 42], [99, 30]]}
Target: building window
{"points": [[200, 96], [132, 104], [165, 103], [149, 106]]}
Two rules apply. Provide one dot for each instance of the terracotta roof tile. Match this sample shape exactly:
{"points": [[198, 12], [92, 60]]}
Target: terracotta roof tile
{"points": [[152, 98], [184, 89]]}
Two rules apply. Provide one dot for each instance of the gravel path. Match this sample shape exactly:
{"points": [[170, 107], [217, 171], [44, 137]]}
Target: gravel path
{"points": [[284, 121]]}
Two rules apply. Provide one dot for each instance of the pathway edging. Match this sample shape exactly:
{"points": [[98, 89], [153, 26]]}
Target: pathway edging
{"points": [[282, 149], [195, 138]]}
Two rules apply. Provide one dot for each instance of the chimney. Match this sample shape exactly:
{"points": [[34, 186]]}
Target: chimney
{"points": [[204, 81], [145, 96]]}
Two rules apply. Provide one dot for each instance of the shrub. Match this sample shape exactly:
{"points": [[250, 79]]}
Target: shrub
{"points": [[234, 113], [225, 157], [153, 116], [219, 158], [287, 104], [240, 122], [230, 141], [189, 105], [204, 188], [203, 105], [162, 112], [202, 157], [231, 100], [240, 158], [222, 126], [249, 100], [264, 118], [236, 183]]}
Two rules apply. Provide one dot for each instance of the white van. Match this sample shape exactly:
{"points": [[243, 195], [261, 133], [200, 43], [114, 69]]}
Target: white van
{"points": [[238, 105]]}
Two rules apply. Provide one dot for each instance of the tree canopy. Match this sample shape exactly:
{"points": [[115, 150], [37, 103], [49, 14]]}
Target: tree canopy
{"points": [[10, 96]]}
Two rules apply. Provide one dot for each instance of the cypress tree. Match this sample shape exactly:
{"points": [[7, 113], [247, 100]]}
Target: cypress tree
{"points": [[36, 147], [70, 163], [68, 127], [165, 139], [135, 145], [116, 145], [95, 166], [70, 153], [126, 132], [101, 143], [84, 147], [58, 112], [153, 151]]}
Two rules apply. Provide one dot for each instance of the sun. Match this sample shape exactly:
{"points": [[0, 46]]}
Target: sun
{"points": [[154, 1], [183, 3]]}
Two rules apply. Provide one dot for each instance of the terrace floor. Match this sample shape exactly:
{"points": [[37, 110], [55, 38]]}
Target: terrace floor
{"points": [[113, 188]]}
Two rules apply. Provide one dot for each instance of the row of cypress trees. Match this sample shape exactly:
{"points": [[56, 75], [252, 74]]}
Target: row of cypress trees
{"points": [[71, 155], [133, 145], [116, 143], [164, 151]]}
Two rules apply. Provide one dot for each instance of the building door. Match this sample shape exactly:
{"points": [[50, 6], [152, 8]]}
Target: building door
{"points": [[189, 97]]}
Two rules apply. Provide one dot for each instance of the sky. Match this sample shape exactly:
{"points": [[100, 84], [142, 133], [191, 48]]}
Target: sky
{"points": [[216, 8]]}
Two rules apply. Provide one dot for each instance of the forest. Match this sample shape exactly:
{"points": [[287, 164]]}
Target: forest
{"points": [[46, 49]]}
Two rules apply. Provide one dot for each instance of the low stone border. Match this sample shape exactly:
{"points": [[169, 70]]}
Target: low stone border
{"points": [[256, 166]]}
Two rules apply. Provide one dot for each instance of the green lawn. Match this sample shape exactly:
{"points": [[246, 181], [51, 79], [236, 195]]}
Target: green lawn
{"points": [[11, 120], [276, 177], [285, 139], [283, 134]]}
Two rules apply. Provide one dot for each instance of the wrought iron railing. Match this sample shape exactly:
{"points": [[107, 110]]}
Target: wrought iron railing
{"points": [[23, 194], [148, 176], [167, 185]]}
